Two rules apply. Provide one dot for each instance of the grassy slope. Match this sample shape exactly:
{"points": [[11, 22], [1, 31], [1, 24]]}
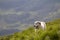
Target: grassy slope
{"points": [[52, 32]]}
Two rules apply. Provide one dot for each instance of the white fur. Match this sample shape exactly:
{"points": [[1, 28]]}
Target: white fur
{"points": [[43, 25]]}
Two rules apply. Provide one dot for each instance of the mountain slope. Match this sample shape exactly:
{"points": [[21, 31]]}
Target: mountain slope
{"points": [[20, 14], [52, 32]]}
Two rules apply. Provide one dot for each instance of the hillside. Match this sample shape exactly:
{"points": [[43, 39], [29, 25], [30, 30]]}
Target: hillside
{"points": [[52, 32], [20, 14]]}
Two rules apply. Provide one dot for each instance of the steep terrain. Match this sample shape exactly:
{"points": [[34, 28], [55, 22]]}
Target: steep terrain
{"points": [[52, 32], [20, 14]]}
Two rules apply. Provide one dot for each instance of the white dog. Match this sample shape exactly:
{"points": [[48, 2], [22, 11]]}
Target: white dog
{"points": [[39, 24]]}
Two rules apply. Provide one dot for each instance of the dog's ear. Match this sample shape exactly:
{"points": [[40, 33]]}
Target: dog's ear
{"points": [[40, 23]]}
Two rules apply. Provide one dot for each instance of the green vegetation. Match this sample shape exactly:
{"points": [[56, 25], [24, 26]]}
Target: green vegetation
{"points": [[52, 32]]}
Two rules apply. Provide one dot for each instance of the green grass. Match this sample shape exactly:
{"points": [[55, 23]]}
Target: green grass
{"points": [[52, 32]]}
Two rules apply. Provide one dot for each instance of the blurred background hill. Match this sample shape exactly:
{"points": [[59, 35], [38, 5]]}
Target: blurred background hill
{"points": [[52, 32], [20, 14]]}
